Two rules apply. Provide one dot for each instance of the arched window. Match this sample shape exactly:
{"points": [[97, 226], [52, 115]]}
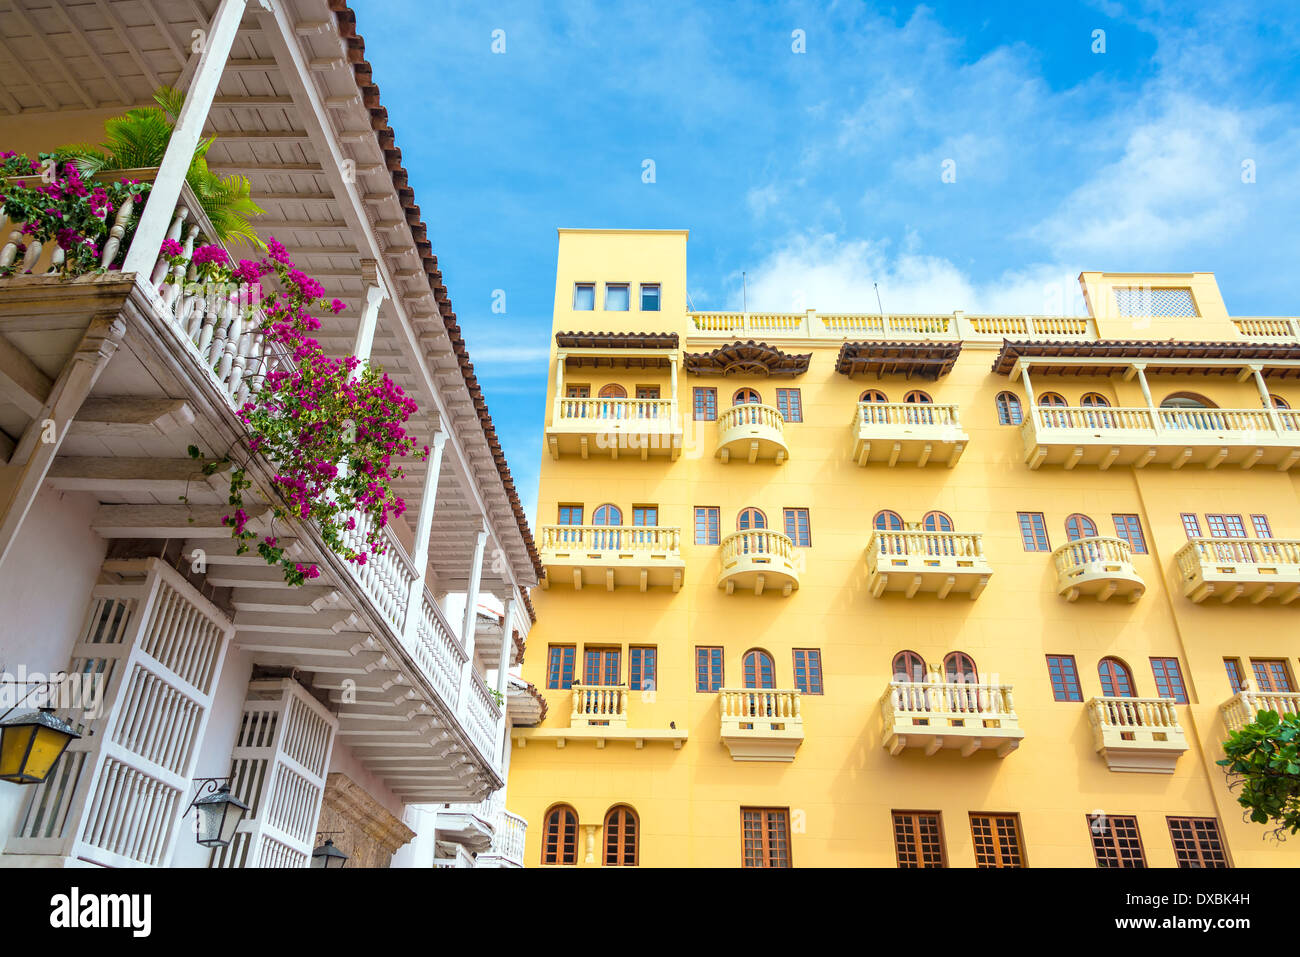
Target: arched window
{"points": [[959, 667], [1052, 399], [1187, 400], [1190, 403], [613, 391], [1008, 405], [872, 395], [746, 397], [936, 522], [622, 835], [1094, 400], [909, 666], [607, 515], [750, 518], [1279, 402], [917, 396], [758, 670], [1095, 420], [921, 416], [560, 836], [1116, 679], [1079, 526], [888, 521]]}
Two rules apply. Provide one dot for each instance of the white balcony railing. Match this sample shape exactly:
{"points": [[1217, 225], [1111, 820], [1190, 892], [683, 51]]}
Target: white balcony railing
{"points": [[598, 706], [508, 838], [969, 715], [1137, 734], [615, 410], [623, 539], [1099, 566], [1257, 568], [1242, 708]]}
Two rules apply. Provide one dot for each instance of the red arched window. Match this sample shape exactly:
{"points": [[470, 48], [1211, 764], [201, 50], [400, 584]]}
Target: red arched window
{"points": [[959, 667], [560, 836], [1279, 402], [872, 395], [746, 397], [613, 391], [1008, 404], [909, 666], [936, 522], [1094, 400], [1079, 526], [1116, 679], [916, 395], [622, 835], [750, 518], [888, 521], [758, 670], [607, 515]]}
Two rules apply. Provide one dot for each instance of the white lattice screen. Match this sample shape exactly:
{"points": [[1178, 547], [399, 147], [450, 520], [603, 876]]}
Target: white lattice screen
{"points": [[279, 761], [1148, 301], [117, 794]]}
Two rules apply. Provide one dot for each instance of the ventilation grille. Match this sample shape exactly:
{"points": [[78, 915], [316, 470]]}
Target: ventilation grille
{"points": [[1146, 301]]}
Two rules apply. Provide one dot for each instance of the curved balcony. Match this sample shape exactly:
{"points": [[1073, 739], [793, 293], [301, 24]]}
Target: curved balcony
{"points": [[641, 556], [758, 559], [968, 716], [1232, 568], [1137, 734], [1099, 567], [939, 563], [907, 433], [1102, 437], [752, 431], [761, 724]]}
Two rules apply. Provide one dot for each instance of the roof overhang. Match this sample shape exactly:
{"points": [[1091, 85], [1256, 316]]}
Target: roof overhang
{"points": [[631, 350], [1121, 357], [923, 360], [747, 358]]}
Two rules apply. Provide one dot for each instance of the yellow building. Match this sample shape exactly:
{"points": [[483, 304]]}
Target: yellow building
{"points": [[858, 590]]}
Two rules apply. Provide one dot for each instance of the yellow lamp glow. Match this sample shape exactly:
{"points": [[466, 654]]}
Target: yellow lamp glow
{"points": [[30, 744]]}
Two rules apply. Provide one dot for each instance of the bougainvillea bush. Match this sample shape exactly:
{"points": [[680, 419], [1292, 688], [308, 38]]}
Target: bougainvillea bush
{"points": [[54, 204], [333, 428]]}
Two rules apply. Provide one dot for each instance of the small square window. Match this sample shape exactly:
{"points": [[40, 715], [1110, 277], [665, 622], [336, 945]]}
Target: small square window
{"points": [[570, 514], [616, 297], [650, 297], [584, 296], [645, 515]]}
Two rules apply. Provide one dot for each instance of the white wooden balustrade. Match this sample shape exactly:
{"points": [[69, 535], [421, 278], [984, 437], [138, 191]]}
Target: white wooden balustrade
{"points": [[48, 258], [510, 831]]}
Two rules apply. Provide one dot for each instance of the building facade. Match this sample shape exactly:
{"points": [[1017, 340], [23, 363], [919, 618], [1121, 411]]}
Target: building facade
{"points": [[370, 706], [853, 589]]}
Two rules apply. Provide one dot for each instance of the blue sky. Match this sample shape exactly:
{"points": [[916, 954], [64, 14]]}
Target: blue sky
{"points": [[820, 172]]}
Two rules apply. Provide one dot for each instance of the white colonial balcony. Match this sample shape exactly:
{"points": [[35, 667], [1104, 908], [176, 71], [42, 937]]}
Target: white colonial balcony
{"points": [[1098, 567], [917, 562], [933, 715], [1230, 568], [753, 432], [759, 559], [640, 556], [1243, 707], [761, 724], [907, 433], [599, 713], [1102, 437], [1137, 734], [614, 427], [508, 836]]}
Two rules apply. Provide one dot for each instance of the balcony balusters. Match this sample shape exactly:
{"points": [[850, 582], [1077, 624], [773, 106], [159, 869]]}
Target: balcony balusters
{"points": [[1137, 734]]}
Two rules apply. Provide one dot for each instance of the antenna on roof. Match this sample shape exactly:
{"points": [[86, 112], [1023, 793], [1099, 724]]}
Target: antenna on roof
{"points": [[876, 286], [690, 305], [744, 294]]}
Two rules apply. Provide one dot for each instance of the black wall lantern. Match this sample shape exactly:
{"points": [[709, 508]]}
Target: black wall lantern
{"points": [[327, 855], [218, 812]]}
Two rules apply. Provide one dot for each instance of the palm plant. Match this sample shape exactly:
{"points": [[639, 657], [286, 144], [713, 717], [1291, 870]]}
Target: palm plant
{"points": [[138, 140]]}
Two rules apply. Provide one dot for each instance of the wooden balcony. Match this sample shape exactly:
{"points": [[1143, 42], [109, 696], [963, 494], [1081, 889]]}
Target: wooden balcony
{"points": [[1137, 734], [1241, 709], [938, 563], [599, 714], [641, 556], [1103, 437], [969, 716], [907, 433], [759, 559], [1098, 567], [1230, 568], [761, 724], [611, 427], [752, 432]]}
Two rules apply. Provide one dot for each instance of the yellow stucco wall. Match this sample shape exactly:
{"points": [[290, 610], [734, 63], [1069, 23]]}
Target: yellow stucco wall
{"points": [[843, 784]]}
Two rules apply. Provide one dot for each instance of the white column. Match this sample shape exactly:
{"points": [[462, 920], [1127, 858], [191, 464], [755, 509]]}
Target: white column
{"points": [[1266, 398], [375, 296], [166, 190], [1029, 391], [471, 593], [507, 645], [423, 530], [1140, 368], [559, 388]]}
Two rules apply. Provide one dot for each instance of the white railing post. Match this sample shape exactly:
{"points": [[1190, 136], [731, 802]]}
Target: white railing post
{"points": [[503, 673], [471, 618], [376, 293], [166, 189], [423, 530]]}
